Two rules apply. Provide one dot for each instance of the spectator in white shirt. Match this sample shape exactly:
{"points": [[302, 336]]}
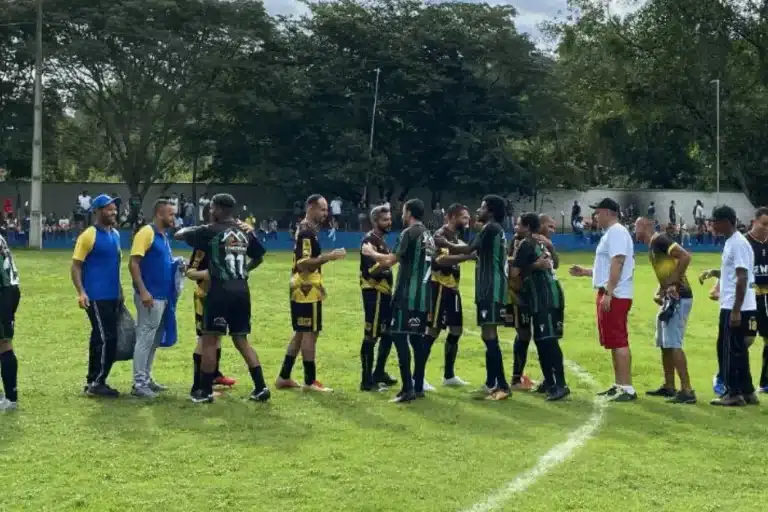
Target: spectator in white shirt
{"points": [[336, 210], [738, 310], [84, 201], [612, 277], [203, 205]]}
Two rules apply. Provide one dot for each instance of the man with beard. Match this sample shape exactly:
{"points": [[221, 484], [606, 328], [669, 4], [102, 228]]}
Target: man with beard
{"points": [[96, 275], [227, 308], [670, 262], [307, 293], [410, 301], [540, 298], [376, 285], [446, 310], [490, 288]]}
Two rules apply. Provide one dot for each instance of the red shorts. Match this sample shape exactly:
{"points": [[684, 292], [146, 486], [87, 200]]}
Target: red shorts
{"points": [[612, 325]]}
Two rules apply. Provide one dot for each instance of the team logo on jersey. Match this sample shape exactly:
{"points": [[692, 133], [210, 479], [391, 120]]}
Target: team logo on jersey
{"points": [[414, 322]]}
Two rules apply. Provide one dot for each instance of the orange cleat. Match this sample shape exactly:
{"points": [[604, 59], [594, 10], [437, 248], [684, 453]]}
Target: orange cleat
{"points": [[286, 383], [317, 386], [221, 380]]}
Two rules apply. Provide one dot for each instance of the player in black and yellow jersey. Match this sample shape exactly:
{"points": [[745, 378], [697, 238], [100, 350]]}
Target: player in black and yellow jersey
{"points": [[516, 317], [490, 244], [376, 286], [758, 239], [307, 293], [446, 310]]}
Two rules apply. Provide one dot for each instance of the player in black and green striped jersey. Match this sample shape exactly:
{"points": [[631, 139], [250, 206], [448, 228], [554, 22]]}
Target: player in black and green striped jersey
{"points": [[410, 300], [9, 303], [490, 288]]}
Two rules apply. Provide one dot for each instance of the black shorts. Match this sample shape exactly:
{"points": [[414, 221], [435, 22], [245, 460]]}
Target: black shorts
{"points": [[227, 312], [445, 308], [9, 303], [544, 325], [377, 309], [747, 329], [490, 313], [199, 303], [517, 317], [762, 316], [408, 322], [307, 316]]}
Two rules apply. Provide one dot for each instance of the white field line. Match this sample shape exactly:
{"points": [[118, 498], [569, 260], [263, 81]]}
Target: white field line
{"points": [[555, 456]]}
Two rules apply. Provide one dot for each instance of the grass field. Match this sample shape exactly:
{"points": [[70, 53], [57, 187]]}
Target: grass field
{"points": [[354, 451]]}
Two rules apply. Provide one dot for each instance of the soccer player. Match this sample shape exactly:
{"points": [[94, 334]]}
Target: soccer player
{"points": [[670, 262], [227, 308], [446, 310], [410, 301], [613, 278], [540, 299], [738, 310], [96, 276], [9, 303], [490, 288], [718, 384], [758, 239], [376, 286], [307, 294]]}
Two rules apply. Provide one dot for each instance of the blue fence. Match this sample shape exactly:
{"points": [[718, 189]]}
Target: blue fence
{"points": [[350, 240]]}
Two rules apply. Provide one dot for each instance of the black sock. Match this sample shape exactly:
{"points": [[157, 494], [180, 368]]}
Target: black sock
{"points": [[558, 366], [218, 360], [9, 368], [451, 352], [764, 371], [385, 347], [206, 382], [197, 360], [366, 361], [428, 341], [404, 361], [543, 349], [496, 363], [490, 378], [419, 362], [520, 355], [288, 362], [258, 378], [310, 372]]}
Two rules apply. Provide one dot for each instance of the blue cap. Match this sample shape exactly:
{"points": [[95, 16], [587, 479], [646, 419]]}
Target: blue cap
{"points": [[101, 201]]}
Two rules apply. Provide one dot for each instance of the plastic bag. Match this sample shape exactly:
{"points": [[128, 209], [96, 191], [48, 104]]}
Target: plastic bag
{"points": [[126, 335]]}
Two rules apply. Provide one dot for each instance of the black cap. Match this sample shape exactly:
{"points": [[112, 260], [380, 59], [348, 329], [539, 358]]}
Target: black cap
{"points": [[607, 204], [724, 213], [224, 201]]}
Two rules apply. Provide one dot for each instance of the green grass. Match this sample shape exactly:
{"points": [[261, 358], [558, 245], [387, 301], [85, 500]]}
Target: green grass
{"points": [[353, 451]]}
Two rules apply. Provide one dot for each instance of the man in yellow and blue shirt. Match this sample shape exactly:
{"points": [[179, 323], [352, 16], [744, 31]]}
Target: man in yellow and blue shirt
{"points": [[152, 271], [96, 276]]}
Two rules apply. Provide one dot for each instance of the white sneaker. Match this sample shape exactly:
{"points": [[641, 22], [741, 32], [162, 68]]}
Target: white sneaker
{"points": [[428, 386], [7, 405], [455, 382]]}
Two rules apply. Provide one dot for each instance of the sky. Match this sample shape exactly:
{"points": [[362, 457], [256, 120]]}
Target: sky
{"points": [[530, 12]]}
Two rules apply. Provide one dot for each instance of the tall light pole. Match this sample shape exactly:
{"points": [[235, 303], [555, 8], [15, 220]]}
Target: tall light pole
{"points": [[370, 136], [36, 199], [717, 136]]}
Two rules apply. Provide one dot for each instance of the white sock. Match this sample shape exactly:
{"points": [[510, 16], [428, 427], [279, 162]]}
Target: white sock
{"points": [[627, 389]]}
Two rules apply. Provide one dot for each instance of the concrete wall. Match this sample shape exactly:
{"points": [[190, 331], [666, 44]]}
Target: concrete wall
{"points": [[263, 202]]}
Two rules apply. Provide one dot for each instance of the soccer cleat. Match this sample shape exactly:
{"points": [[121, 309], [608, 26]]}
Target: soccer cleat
{"points": [[499, 394], [370, 386], [222, 380], [612, 391], [541, 388], [157, 388], [428, 386], [729, 401], [454, 382], [682, 397], [281, 383], [404, 397], [260, 396], [143, 392], [557, 393], [317, 386], [482, 392], [524, 384], [385, 379], [751, 399], [102, 390], [623, 396], [718, 386], [200, 397], [663, 392], [420, 394], [7, 405]]}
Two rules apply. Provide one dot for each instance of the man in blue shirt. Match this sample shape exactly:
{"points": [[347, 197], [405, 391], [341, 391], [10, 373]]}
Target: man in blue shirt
{"points": [[96, 276], [151, 268]]}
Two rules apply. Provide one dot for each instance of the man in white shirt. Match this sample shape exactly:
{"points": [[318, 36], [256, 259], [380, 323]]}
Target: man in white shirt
{"points": [[738, 310], [612, 277], [84, 201], [203, 204], [336, 211]]}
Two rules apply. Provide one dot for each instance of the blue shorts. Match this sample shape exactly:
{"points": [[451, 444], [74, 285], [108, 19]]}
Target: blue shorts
{"points": [[671, 334]]}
